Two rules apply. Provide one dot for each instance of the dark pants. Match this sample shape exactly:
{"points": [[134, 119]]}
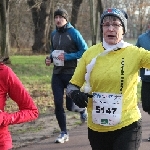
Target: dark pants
{"points": [[59, 83], [145, 96], [126, 138]]}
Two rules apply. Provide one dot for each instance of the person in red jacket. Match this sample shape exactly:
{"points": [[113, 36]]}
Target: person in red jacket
{"points": [[11, 86]]}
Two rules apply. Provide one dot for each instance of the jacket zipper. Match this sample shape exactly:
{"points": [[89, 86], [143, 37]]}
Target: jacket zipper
{"points": [[59, 39]]}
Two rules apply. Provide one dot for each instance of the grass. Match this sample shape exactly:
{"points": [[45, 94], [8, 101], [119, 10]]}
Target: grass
{"points": [[35, 76], [29, 130], [31, 69]]}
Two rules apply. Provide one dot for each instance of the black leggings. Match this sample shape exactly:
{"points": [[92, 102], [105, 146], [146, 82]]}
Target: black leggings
{"points": [[59, 83], [145, 96], [126, 138]]}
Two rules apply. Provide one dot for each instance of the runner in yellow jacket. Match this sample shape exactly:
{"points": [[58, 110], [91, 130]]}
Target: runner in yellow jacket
{"points": [[109, 73]]}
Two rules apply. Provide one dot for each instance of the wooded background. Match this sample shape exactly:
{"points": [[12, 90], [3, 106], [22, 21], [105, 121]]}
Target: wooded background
{"points": [[25, 25]]}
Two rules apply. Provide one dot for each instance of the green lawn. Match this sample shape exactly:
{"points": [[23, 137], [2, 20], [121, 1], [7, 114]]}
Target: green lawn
{"points": [[31, 69], [36, 77]]}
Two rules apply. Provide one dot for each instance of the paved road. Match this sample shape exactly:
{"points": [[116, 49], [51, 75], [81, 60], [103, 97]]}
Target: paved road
{"points": [[145, 145], [79, 141]]}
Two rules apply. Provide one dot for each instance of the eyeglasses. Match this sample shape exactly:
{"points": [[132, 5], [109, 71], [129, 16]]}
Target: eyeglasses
{"points": [[107, 25]]}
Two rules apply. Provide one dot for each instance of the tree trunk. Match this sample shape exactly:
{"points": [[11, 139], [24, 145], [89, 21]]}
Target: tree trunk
{"points": [[101, 9], [92, 21], [3, 25], [95, 8], [48, 27], [7, 30], [4, 16], [39, 16], [75, 10]]}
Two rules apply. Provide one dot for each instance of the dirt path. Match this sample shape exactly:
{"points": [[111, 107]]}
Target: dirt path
{"points": [[44, 127]]}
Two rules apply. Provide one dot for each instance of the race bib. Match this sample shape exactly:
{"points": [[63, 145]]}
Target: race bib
{"points": [[107, 108], [56, 60], [147, 71]]}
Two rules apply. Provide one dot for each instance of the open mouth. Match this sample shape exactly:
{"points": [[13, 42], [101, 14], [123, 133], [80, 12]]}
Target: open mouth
{"points": [[111, 36]]}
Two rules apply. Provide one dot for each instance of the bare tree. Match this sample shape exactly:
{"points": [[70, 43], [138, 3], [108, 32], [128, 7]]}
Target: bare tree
{"points": [[4, 16], [75, 10], [31, 28], [41, 21], [100, 9], [95, 11], [142, 13], [49, 25]]}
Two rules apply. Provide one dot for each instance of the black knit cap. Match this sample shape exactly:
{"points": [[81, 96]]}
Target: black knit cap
{"points": [[61, 12], [120, 14]]}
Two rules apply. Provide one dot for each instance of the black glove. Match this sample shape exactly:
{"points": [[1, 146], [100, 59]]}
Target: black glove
{"points": [[79, 98]]}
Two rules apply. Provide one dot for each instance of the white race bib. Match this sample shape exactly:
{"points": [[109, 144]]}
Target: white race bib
{"points": [[56, 60], [147, 71], [107, 108]]}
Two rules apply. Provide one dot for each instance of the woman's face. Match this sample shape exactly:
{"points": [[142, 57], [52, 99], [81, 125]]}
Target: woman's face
{"points": [[112, 30]]}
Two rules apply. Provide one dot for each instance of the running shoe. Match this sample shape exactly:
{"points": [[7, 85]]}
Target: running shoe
{"points": [[83, 116], [63, 137]]}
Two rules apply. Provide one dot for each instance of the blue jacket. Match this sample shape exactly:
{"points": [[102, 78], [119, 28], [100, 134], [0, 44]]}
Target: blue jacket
{"points": [[71, 41], [144, 41]]}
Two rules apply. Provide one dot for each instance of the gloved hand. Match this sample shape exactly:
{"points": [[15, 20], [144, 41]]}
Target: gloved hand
{"points": [[79, 98]]}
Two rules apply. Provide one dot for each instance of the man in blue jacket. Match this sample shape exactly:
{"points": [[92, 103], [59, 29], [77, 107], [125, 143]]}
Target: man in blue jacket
{"points": [[144, 41], [68, 46]]}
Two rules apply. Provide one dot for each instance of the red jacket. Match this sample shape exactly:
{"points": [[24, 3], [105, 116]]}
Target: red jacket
{"points": [[12, 86]]}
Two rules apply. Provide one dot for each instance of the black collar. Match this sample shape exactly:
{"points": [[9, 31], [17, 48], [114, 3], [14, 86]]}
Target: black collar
{"points": [[62, 29]]}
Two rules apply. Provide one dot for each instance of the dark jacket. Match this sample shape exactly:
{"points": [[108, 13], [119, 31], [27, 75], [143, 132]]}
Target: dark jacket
{"points": [[71, 41], [144, 41]]}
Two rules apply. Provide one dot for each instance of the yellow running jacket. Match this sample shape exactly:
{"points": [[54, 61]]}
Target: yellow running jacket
{"points": [[116, 72]]}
